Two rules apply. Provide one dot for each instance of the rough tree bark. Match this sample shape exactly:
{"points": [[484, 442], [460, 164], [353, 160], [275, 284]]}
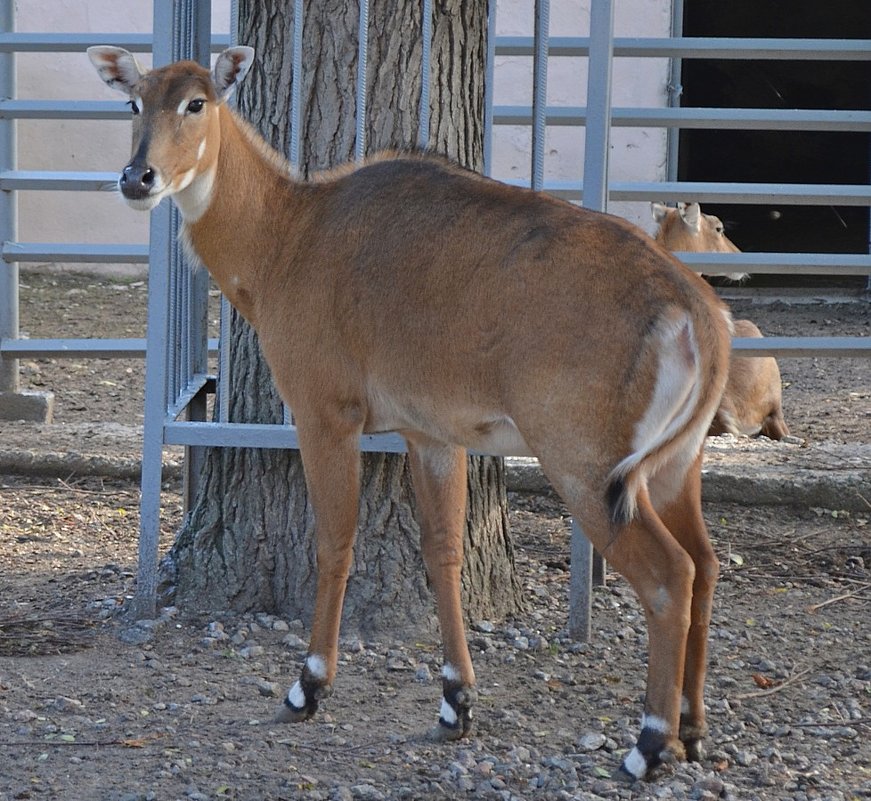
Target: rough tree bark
{"points": [[247, 544]]}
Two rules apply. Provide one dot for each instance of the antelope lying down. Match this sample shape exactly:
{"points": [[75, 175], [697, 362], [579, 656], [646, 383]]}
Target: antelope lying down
{"points": [[752, 403], [409, 295]]}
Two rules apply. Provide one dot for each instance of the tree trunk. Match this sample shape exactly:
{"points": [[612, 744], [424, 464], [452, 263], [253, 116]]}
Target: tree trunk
{"points": [[247, 544]]}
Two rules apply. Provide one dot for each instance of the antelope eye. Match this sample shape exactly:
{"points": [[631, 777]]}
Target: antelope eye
{"points": [[133, 107], [196, 105]]}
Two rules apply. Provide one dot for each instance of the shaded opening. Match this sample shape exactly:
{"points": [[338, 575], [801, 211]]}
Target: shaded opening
{"points": [[781, 156]]}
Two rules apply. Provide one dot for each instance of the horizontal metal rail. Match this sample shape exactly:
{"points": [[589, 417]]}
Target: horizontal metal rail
{"points": [[76, 42], [74, 252], [803, 346], [715, 192], [80, 348], [54, 180], [699, 47], [779, 263], [64, 110], [261, 435], [700, 118]]}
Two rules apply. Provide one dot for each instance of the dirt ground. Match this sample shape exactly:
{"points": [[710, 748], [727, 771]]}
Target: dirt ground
{"points": [[179, 708]]}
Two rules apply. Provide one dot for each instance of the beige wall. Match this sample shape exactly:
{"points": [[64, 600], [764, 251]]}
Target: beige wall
{"points": [[637, 154]]}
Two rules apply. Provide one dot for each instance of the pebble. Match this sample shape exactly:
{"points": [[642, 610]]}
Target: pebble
{"points": [[294, 641]]}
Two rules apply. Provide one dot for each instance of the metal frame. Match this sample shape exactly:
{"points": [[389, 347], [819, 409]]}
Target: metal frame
{"points": [[175, 350]]}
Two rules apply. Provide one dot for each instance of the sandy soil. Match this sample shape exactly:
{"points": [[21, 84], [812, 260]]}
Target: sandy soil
{"points": [[179, 708]]}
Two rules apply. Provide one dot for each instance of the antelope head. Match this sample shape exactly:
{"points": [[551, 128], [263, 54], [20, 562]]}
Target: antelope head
{"points": [[176, 132]]}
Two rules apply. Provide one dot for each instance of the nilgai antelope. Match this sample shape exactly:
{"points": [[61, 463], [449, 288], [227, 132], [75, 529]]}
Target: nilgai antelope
{"points": [[409, 295], [752, 403]]}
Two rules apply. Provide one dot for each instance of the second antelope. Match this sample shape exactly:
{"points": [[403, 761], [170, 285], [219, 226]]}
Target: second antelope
{"points": [[752, 402], [410, 295]]}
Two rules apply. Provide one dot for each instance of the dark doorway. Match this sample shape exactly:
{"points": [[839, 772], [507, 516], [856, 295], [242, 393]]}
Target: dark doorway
{"points": [[781, 156]]}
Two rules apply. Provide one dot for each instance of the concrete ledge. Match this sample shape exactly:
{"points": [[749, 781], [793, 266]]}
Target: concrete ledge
{"points": [[736, 470], [758, 471], [27, 405]]}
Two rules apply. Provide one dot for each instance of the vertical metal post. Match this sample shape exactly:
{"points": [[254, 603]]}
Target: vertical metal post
{"points": [[181, 28], [580, 585], [362, 73], [195, 38], [9, 381], [675, 91], [296, 86], [489, 69], [598, 105], [539, 90], [426, 73], [595, 197]]}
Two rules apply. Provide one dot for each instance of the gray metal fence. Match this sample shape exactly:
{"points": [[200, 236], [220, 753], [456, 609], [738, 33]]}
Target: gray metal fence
{"points": [[177, 377]]}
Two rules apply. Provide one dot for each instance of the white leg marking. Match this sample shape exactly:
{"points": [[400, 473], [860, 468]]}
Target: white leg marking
{"points": [[635, 764], [316, 666], [684, 705], [451, 673], [447, 713], [296, 696], [655, 723]]}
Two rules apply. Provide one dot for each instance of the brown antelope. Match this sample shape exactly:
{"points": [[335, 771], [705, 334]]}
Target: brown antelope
{"points": [[410, 295], [752, 403]]}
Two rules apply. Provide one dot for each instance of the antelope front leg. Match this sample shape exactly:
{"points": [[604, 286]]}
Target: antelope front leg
{"points": [[331, 461], [439, 475]]}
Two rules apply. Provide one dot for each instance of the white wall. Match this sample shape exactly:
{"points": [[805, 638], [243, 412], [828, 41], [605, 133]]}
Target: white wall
{"points": [[79, 145], [636, 154]]}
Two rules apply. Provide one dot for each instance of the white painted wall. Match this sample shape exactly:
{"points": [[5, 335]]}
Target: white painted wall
{"points": [[636, 154]]}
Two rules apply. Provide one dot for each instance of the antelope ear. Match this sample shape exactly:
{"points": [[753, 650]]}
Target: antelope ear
{"points": [[230, 68], [117, 67], [659, 212], [691, 213]]}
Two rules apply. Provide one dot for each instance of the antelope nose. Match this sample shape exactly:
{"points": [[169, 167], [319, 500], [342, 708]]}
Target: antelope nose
{"points": [[137, 181]]}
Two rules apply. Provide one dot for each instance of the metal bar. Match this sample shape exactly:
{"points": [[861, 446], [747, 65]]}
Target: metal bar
{"points": [[73, 348], [596, 149], [776, 263], [261, 435], [296, 87], [426, 74], [79, 42], [57, 251], [700, 47], [580, 585], [362, 74], [675, 92], [598, 106], [539, 91], [697, 118], [803, 346], [489, 65], [64, 109], [787, 194], [195, 386], [133, 348], [38, 180], [9, 323], [705, 192], [144, 604]]}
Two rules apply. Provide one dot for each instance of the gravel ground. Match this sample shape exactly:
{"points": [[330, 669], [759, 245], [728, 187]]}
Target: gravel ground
{"points": [[180, 707]]}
